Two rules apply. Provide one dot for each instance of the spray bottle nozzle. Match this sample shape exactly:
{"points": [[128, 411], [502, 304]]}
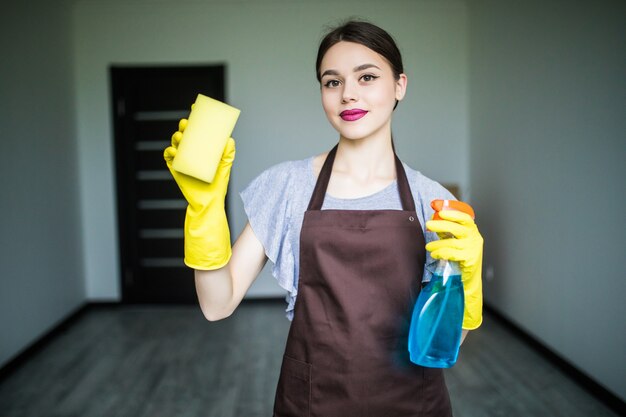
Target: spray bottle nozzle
{"points": [[439, 205]]}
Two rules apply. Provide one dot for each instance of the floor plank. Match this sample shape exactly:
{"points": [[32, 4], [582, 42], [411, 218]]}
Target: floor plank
{"points": [[153, 361]]}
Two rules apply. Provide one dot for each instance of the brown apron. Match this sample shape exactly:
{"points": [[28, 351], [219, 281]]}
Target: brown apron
{"points": [[346, 354]]}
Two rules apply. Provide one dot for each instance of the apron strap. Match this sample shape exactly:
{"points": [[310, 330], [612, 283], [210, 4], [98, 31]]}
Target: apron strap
{"points": [[403, 187], [319, 192]]}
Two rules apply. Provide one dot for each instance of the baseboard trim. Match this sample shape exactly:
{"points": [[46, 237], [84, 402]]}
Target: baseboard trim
{"points": [[582, 379], [29, 351]]}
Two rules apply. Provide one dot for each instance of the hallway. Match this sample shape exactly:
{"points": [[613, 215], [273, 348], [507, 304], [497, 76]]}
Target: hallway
{"points": [[152, 361]]}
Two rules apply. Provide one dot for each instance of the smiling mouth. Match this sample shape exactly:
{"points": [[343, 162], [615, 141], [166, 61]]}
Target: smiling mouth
{"points": [[352, 115]]}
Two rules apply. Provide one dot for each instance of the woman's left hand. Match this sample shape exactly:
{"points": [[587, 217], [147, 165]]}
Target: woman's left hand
{"points": [[466, 248]]}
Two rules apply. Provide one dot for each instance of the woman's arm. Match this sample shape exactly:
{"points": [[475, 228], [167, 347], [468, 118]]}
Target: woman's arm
{"points": [[222, 274], [221, 290]]}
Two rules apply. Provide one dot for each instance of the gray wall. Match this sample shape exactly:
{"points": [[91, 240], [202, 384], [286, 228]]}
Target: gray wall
{"points": [[536, 89], [547, 162], [41, 280], [269, 47]]}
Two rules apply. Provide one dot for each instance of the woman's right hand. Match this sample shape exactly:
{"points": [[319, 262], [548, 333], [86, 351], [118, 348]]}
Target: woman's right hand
{"points": [[207, 237]]}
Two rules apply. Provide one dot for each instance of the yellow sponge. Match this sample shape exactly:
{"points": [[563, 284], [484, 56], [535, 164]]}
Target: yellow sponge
{"points": [[210, 125]]}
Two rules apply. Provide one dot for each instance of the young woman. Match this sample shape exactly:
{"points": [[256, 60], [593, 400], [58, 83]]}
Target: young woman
{"points": [[345, 232]]}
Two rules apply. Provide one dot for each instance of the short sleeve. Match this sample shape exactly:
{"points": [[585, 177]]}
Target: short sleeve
{"points": [[424, 191], [267, 203]]}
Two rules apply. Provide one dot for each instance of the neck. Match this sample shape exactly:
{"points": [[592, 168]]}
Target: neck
{"points": [[365, 159]]}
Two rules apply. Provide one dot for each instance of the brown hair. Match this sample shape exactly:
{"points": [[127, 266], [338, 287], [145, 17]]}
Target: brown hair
{"points": [[366, 34]]}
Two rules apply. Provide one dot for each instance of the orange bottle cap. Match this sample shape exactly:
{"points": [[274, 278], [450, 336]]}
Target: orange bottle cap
{"points": [[439, 205]]}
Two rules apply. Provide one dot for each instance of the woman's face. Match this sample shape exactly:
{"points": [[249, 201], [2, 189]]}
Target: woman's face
{"points": [[359, 90]]}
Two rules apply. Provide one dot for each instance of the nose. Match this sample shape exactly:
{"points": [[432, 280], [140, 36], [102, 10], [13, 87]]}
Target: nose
{"points": [[349, 93]]}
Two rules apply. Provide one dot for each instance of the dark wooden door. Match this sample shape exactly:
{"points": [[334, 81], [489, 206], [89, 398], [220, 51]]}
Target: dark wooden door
{"points": [[147, 104]]}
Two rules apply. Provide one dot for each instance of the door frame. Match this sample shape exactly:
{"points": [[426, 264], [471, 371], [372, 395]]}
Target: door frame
{"points": [[126, 190]]}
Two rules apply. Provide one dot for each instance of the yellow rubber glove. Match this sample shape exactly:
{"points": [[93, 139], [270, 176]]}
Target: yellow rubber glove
{"points": [[207, 237], [466, 248]]}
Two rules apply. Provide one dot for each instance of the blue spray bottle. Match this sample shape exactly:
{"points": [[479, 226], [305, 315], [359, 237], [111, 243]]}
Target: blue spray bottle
{"points": [[436, 324]]}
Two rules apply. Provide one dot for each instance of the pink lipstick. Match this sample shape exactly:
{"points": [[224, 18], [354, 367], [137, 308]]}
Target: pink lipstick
{"points": [[352, 114]]}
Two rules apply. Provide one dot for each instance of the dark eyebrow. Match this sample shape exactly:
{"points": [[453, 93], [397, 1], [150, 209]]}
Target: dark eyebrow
{"points": [[364, 67], [356, 69], [329, 72]]}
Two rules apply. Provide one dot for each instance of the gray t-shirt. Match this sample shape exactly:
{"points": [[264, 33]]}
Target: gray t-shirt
{"points": [[276, 200]]}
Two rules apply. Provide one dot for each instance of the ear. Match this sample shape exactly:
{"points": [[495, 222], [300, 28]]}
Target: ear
{"points": [[401, 83]]}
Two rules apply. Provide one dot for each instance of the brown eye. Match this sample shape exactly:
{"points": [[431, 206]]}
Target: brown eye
{"points": [[368, 77]]}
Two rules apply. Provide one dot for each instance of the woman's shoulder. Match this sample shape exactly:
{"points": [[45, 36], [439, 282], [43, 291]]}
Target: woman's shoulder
{"points": [[425, 189], [281, 178], [293, 166]]}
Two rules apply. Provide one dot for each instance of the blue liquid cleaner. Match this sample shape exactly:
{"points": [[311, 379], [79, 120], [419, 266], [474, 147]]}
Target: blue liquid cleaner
{"points": [[436, 324]]}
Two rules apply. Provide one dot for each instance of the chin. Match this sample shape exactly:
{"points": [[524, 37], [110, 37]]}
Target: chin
{"points": [[352, 132], [348, 136], [356, 134]]}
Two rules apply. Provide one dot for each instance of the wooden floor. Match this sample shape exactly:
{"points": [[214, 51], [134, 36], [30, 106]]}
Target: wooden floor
{"points": [[152, 361]]}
